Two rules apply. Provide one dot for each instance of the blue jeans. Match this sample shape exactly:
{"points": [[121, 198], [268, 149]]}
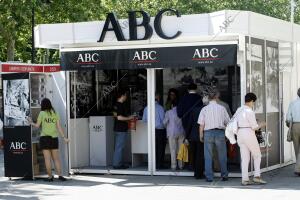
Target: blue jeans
{"points": [[120, 141], [211, 138]]}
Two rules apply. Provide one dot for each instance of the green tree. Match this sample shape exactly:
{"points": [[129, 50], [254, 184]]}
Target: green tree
{"points": [[15, 17]]}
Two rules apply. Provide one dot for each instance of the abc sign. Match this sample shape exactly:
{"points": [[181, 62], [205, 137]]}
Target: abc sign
{"points": [[144, 55], [18, 146], [112, 19]]}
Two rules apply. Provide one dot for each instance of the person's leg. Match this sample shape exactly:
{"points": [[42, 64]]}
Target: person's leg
{"points": [[216, 163], [172, 145], [199, 160], [56, 159], [192, 155], [296, 141], [180, 140], [254, 148], [159, 143], [120, 140], [222, 152], [47, 157], [245, 159], [163, 146], [208, 152]]}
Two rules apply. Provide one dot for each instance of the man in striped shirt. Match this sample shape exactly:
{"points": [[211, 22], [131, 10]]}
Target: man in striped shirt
{"points": [[213, 119]]}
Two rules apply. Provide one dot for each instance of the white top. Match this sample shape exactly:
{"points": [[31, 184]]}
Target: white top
{"points": [[173, 123], [293, 113], [246, 118], [213, 116]]}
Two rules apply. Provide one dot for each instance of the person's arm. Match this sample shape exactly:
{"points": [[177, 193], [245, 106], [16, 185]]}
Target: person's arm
{"points": [[145, 115], [166, 119], [189, 125], [201, 133], [38, 123], [226, 116], [253, 123], [123, 118], [201, 123], [228, 110], [61, 132], [180, 106], [119, 111]]}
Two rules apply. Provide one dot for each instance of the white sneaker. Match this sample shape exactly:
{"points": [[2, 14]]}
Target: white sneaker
{"points": [[259, 180]]}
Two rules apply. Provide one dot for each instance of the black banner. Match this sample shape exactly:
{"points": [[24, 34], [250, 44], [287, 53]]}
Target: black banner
{"points": [[162, 57], [16, 130]]}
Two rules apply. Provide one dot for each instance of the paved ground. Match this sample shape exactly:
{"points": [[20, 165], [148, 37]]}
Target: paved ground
{"points": [[282, 184]]}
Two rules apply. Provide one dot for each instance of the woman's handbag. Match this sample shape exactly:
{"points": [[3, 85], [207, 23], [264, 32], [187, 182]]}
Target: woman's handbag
{"points": [[289, 137], [259, 136]]}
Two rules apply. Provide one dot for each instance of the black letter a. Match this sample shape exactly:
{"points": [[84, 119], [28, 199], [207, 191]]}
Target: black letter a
{"points": [[111, 17]]}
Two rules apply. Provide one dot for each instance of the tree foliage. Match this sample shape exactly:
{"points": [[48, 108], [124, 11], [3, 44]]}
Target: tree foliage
{"points": [[15, 16]]}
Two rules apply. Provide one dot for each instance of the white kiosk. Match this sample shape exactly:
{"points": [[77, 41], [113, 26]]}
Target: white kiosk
{"points": [[266, 62]]}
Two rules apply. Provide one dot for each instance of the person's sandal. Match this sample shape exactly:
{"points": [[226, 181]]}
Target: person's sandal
{"points": [[61, 178], [245, 183], [49, 179], [259, 180]]}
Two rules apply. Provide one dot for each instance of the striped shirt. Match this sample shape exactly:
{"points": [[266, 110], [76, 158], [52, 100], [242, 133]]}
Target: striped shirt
{"points": [[213, 116]]}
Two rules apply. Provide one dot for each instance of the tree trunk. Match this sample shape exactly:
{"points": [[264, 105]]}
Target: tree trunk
{"points": [[10, 48]]}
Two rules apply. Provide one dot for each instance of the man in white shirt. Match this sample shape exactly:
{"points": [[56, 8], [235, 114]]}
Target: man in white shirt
{"points": [[213, 119], [293, 116]]}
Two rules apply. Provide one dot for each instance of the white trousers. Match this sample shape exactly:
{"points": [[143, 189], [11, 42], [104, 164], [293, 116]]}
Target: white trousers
{"points": [[248, 144], [174, 143]]}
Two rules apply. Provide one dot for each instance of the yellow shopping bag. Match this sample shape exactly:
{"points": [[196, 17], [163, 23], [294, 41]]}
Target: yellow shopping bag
{"points": [[183, 153]]}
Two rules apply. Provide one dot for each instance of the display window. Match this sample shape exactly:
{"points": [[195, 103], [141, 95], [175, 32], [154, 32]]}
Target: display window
{"points": [[97, 143]]}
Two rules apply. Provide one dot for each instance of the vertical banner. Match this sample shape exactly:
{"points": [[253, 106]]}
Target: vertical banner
{"points": [[16, 130]]}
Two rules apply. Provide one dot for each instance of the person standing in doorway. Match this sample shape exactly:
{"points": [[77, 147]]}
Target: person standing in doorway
{"points": [[160, 132], [215, 156], [213, 119], [293, 119], [196, 146], [247, 141], [172, 99], [175, 134], [184, 109], [121, 129], [50, 122]]}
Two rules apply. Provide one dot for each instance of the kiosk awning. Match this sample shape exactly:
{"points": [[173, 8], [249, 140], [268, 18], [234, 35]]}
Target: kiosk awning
{"points": [[159, 57]]}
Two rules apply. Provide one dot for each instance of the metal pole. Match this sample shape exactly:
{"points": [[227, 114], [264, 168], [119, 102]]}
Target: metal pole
{"points": [[32, 34], [293, 5]]}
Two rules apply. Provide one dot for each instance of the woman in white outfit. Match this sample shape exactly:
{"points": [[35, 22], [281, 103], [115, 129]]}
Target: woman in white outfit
{"points": [[175, 134], [247, 125]]}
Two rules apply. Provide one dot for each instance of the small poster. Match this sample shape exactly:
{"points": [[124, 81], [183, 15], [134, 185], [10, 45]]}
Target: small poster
{"points": [[16, 130], [16, 102]]}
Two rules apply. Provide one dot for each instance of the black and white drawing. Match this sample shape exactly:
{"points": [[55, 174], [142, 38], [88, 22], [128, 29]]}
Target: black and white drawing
{"points": [[82, 88], [16, 102], [272, 78]]}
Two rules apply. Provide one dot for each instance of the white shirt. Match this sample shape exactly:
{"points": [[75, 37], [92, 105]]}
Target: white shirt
{"points": [[294, 111], [245, 117], [173, 123], [213, 116]]}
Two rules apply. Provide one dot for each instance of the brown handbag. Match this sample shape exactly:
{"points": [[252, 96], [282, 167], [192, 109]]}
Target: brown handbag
{"points": [[289, 137]]}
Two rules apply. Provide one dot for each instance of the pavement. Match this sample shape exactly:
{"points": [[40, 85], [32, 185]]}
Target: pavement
{"points": [[282, 184]]}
